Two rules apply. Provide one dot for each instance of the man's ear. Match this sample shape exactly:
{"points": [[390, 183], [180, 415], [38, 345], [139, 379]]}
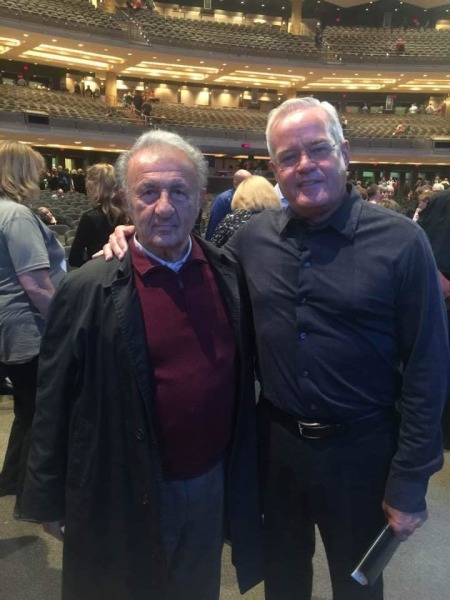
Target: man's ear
{"points": [[345, 149], [274, 169]]}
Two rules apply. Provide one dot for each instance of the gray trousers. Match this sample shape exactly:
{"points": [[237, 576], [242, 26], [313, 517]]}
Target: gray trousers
{"points": [[192, 531]]}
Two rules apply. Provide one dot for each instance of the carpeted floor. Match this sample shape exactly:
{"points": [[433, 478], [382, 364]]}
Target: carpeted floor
{"points": [[30, 561]]}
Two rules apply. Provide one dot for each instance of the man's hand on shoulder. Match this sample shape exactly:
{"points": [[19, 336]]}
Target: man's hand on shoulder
{"points": [[404, 524], [54, 528]]}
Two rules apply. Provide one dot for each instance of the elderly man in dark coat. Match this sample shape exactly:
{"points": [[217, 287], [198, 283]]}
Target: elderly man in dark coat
{"points": [[144, 437]]}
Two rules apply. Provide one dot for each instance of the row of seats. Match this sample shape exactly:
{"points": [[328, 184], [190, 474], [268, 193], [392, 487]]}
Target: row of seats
{"points": [[210, 33], [76, 12], [209, 117], [20, 98], [381, 41], [421, 126], [342, 41], [383, 126]]}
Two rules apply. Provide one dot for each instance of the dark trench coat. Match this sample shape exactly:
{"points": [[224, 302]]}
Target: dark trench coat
{"points": [[94, 458]]}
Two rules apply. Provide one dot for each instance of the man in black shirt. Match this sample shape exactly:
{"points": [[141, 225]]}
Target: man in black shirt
{"points": [[350, 327]]}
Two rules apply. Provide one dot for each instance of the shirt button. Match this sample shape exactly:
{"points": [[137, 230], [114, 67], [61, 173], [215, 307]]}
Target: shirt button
{"points": [[313, 407], [303, 300], [139, 434], [303, 335], [305, 373], [145, 499], [307, 264]]}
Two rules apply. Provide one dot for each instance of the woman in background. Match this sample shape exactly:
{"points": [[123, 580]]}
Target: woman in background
{"points": [[252, 196], [31, 266], [98, 223]]}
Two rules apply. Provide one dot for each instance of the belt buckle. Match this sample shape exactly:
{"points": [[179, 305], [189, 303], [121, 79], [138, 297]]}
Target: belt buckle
{"points": [[303, 430]]}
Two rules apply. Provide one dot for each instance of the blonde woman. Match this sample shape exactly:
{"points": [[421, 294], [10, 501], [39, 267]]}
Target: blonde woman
{"points": [[30, 269], [252, 196], [96, 224]]}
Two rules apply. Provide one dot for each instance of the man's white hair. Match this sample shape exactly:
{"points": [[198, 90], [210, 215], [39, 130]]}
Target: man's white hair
{"points": [[302, 104], [158, 138]]}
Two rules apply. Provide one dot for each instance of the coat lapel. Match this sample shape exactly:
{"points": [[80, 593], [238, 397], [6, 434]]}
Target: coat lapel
{"points": [[129, 315]]}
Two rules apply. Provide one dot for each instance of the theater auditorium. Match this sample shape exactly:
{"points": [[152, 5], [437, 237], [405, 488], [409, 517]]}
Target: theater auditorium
{"points": [[80, 80]]}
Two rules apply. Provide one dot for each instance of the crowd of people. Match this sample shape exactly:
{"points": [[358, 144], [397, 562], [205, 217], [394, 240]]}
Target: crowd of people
{"points": [[148, 448], [61, 180]]}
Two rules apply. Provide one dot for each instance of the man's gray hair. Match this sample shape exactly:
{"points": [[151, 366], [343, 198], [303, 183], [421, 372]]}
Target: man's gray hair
{"points": [[302, 104], [158, 138]]}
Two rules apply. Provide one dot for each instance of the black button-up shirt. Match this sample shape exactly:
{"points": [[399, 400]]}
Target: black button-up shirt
{"points": [[349, 319]]}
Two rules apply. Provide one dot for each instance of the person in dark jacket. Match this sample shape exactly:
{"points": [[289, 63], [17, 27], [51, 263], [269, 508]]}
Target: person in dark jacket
{"points": [[79, 181], [144, 442], [96, 224]]}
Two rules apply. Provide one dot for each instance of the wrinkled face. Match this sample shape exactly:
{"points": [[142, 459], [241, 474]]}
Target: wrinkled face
{"points": [[163, 200], [309, 165]]}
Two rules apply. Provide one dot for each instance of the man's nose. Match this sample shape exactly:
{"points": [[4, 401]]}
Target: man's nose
{"points": [[164, 205], [305, 163]]}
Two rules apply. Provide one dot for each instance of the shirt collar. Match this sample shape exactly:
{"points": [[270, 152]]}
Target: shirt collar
{"points": [[145, 261], [344, 219], [174, 266]]}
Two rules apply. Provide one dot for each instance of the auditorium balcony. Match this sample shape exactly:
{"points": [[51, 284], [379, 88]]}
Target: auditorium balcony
{"points": [[379, 44]]}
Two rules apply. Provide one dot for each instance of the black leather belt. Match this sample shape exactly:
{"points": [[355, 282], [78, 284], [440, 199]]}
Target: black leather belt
{"points": [[313, 430]]}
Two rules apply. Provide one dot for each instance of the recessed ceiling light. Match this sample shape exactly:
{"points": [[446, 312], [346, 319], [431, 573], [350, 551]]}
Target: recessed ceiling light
{"points": [[78, 142], [26, 35], [54, 40], [80, 45], [130, 54]]}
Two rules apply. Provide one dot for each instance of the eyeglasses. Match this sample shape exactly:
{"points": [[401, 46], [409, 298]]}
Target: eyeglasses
{"points": [[315, 153]]}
